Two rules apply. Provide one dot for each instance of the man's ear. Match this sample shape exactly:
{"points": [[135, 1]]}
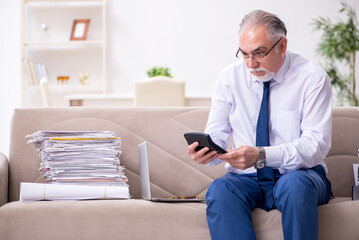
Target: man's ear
{"points": [[283, 45]]}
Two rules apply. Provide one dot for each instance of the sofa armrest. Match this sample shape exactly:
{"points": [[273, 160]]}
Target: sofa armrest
{"points": [[4, 178]]}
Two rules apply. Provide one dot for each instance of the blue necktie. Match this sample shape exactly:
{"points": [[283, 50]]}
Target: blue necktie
{"points": [[265, 175]]}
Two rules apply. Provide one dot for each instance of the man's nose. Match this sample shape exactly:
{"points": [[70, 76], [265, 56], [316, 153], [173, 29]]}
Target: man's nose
{"points": [[252, 62]]}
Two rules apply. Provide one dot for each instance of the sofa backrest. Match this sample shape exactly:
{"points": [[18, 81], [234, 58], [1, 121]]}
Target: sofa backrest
{"points": [[172, 171], [344, 151]]}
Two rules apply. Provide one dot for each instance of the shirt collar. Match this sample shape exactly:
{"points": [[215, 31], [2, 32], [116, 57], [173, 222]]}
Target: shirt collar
{"points": [[279, 76]]}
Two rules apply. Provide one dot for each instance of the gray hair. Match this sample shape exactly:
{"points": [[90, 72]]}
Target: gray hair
{"points": [[275, 27]]}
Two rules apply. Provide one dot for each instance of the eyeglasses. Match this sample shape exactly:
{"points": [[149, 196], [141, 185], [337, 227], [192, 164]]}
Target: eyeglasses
{"points": [[257, 54]]}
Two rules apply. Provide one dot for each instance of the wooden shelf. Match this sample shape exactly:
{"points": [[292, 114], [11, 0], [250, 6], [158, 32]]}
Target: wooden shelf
{"points": [[57, 1], [65, 43], [58, 55], [72, 87]]}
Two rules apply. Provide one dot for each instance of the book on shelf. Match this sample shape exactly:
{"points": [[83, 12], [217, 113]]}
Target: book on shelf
{"points": [[35, 71], [30, 80], [44, 72], [38, 71]]}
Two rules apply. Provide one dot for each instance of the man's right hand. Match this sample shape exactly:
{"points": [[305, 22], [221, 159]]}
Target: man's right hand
{"points": [[201, 157]]}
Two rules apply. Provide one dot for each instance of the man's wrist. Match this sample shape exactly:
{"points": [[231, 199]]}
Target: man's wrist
{"points": [[261, 161]]}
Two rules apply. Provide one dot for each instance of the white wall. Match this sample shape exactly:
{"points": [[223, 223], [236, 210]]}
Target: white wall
{"points": [[9, 67], [194, 38]]}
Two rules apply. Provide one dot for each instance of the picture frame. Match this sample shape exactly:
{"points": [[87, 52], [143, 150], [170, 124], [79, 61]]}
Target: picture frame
{"points": [[79, 29]]}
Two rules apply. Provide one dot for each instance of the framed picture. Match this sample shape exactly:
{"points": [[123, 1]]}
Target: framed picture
{"points": [[79, 29]]}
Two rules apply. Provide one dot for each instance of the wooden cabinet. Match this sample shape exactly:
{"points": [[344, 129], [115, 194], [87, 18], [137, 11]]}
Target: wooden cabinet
{"points": [[46, 33]]}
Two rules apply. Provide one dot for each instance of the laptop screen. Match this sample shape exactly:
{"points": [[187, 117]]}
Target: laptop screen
{"points": [[144, 171]]}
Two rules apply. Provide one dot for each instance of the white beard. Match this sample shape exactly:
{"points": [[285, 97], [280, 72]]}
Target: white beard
{"points": [[265, 78]]}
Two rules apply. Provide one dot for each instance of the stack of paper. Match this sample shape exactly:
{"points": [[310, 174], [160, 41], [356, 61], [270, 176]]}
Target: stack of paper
{"points": [[90, 158]]}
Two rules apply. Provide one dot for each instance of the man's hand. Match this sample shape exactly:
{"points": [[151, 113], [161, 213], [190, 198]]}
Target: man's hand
{"points": [[242, 158], [200, 157]]}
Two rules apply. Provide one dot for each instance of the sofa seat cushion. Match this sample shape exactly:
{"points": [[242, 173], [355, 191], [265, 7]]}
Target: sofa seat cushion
{"points": [[337, 220], [139, 219], [103, 219]]}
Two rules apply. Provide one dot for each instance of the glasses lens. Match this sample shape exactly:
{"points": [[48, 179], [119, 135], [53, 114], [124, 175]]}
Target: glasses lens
{"points": [[256, 56]]}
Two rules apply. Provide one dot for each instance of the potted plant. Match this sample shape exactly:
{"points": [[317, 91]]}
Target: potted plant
{"points": [[159, 71], [339, 45]]}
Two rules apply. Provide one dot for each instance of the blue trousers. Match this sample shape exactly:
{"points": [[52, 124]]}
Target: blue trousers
{"points": [[297, 194]]}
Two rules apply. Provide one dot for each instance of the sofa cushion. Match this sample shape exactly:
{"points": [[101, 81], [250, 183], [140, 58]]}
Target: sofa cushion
{"points": [[172, 171], [344, 150], [163, 128], [103, 219], [4, 170], [140, 219]]}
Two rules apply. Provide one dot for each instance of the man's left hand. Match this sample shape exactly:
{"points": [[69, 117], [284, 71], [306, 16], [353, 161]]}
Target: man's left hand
{"points": [[242, 157]]}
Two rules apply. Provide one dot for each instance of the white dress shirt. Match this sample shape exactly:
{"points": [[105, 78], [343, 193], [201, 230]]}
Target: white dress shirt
{"points": [[300, 113]]}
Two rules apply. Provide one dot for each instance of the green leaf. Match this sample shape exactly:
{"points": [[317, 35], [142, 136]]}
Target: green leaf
{"points": [[340, 43], [159, 71]]}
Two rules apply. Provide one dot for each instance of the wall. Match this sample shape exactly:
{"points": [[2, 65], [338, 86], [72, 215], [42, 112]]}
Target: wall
{"points": [[9, 67], [194, 38]]}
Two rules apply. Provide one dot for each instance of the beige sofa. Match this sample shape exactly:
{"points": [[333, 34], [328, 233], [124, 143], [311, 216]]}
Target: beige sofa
{"points": [[172, 173]]}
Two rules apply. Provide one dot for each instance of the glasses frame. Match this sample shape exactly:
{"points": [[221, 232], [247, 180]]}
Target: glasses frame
{"points": [[257, 56]]}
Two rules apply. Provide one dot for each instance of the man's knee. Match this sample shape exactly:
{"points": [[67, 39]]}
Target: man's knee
{"points": [[218, 189], [295, 187], [229, 188]]}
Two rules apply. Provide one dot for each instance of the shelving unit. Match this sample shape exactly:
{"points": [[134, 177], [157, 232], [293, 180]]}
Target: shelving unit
{"points": [[60, 55]]}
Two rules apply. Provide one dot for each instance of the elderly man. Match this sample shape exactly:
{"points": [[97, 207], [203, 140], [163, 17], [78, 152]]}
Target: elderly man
{"points": [[277, 107]]}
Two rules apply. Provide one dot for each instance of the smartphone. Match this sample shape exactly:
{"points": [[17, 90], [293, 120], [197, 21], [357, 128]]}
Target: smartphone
{"points": [[204, 140]]}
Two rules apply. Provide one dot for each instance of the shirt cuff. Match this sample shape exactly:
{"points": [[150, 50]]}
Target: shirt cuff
{"points": [[274, 156], [215, 162]]}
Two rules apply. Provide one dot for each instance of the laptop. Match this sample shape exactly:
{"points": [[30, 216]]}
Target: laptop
{"points": [[145, 180]]}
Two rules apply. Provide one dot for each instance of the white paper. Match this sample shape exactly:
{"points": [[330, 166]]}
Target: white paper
{"points": [[41, 191], [355, 169], [87, 157]]}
